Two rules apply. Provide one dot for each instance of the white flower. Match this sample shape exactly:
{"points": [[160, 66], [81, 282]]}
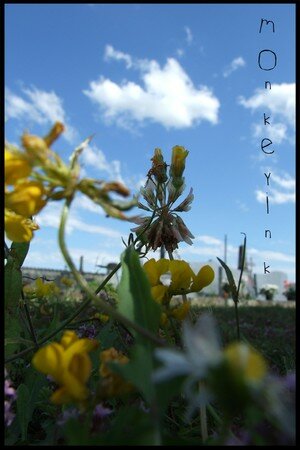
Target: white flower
{"points": [[202, 351]]}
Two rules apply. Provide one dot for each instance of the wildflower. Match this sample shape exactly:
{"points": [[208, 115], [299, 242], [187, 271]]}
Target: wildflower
{"points": [[228, 375], [87, 330], [183, 279], [180, 312], [17, 166], [245, 361], [44, 289], [112, 383], [10, 396], [19, 228], [69, 365], [159, 167], [179, 155], [27, 199], [66, 281], [166, 228]]}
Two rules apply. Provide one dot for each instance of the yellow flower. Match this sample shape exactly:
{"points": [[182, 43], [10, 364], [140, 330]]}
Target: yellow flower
{"points": [[180, 312], [109, 355], [183, 279], [69, 365], [44, 289], [36, 148], [112, 383], [16, 166], [179, 155], [27, 198], [66, 281], [245, 361], [18, 228]]}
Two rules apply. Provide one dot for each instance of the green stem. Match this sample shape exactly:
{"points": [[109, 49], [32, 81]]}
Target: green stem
{"points": [[237, 320], [32, 330], [84, 285], [203, 422]]}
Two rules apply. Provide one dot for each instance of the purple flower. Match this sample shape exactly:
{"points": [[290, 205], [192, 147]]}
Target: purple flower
{"points": [[100, 412], [71, 413], [290, 381], [10, 396], [87, 330]]}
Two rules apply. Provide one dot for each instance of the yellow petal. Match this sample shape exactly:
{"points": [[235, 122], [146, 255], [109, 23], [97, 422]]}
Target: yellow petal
{"points": [[75, 388], [49, 360], [80, 366], [204, 277], [61, 396], [155, 269], [84, 345], [159, 292], [246, 361], [181, 275], [16, 166], [26, 199], [18, 228], [162, 266], [181, 311], [68, 338]]}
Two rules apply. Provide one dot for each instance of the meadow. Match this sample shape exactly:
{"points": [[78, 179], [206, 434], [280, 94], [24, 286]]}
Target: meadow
{"points": [[139, 364]]}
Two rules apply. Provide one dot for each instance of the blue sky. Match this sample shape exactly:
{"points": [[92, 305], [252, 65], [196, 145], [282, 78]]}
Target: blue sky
{"points": [[146, 76]]}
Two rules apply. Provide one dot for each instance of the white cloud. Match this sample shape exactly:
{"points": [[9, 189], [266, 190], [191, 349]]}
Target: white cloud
{"points": [[278, 103], [277, 132], [189, 35], [262, 255], [166, 96], [276, 196], [50, 217], [233, 66], [40, 107], [210, 240], [179, 52], [94, 157], [111, 53], [242, 206]]}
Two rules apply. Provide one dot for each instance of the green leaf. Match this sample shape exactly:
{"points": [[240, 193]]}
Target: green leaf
{"points": [[12, 332], [137, 304], [135, 300], [13, 274], [230, 280], [12, 284], [18, 251], [23, 412], [138, 371]]}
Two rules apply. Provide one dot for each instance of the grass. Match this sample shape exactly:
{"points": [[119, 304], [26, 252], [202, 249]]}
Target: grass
{"points": [[268, 328]]}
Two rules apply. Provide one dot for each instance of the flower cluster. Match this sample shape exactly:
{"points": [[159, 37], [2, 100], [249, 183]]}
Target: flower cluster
{"points": [[40, 289], [36, 174], [182, 280], [164, 227], [69, 364]]}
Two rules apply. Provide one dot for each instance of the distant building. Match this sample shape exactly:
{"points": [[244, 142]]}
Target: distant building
{"points": [[276, 277]]}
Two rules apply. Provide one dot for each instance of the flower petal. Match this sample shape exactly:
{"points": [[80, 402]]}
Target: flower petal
{"points": [[204, 277], [181, 275], [49, 360]]}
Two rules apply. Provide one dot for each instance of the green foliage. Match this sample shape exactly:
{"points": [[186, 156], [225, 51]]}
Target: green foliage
{"points": [[23, 409], [13, 274], [135, 300]]}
